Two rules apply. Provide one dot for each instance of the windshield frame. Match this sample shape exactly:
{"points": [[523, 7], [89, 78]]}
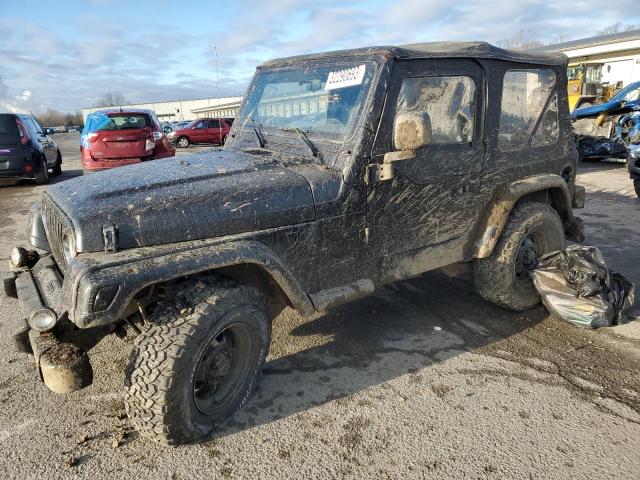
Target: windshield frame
{"points": [[242, 123]]}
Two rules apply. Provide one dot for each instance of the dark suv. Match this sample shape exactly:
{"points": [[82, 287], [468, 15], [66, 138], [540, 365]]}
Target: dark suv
{"points": [[344, 171], [26, 151]]}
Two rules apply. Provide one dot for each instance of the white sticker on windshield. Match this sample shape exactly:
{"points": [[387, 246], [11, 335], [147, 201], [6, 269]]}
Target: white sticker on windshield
{"points": [[348, 77]]}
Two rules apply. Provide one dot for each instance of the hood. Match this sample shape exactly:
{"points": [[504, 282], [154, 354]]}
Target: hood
{"points": [[205, 195]]}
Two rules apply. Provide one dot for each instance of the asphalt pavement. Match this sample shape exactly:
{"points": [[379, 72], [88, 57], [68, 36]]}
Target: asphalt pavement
{"points": [[422, 379]]}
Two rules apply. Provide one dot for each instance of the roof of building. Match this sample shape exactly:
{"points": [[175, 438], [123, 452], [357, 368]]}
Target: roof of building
{"points": [[589, 42], [434, 50], [220, 106]]}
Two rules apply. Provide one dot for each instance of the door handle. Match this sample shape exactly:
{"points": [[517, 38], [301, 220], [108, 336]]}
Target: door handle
{"points": [[464, 188]]}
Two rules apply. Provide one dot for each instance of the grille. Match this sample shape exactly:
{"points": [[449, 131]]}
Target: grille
{"points": [[55, 222]]}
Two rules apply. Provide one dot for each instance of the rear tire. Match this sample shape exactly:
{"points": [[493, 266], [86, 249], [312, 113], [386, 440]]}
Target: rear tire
{"points": [[183, 142], [42, 173], [636, 186], [198, 361], [57, 168], [532, 230]]}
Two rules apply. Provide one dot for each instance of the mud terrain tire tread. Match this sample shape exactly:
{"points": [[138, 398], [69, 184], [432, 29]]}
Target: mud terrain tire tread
{"points": [[494, 275], [161, 364]]}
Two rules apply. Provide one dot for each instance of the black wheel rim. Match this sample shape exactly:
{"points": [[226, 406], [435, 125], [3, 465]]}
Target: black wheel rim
{"points": [[527, 256], [222, 369]]}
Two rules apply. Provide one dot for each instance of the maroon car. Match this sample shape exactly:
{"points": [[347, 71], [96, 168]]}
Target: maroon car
{"points": [[203, 130], [117, 137]]}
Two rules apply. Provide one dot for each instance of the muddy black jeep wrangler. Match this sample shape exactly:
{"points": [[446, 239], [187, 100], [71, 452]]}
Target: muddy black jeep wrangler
{"points": [[344, 171]]}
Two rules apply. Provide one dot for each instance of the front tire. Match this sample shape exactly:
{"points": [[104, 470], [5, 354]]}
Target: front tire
{"points": [[42, 173], [183, 142], [199, 361], [532, 230]]}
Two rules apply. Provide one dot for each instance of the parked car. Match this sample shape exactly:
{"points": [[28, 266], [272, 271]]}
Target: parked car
{"points": [[26, 151], [49, 131], [115, 137], [344, 172], [204, 130], [630, 93]]}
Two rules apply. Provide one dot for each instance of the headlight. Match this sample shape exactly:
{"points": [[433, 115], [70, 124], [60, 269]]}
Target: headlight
{"points": [[19, 257], [42, 319], [171, 134], [69, 246]]}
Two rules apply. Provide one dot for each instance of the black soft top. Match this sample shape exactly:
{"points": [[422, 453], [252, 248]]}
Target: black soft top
{"points": [[432, 50]]}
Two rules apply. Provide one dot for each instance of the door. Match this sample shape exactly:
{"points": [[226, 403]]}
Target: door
{"points": [[199, 132], [431, 198], [215, 131], [44, 140]]}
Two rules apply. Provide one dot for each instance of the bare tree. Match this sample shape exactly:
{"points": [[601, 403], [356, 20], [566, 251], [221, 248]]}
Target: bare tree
{"points": [[112, 99], [521, 40], [54, 118], [617, 28]]}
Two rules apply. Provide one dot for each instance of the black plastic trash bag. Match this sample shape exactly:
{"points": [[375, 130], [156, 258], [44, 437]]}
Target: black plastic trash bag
{"points": [[576, 285]]}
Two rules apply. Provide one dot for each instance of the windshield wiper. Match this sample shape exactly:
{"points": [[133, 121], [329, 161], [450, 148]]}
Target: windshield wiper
{"points": [[258, 131], [303, 136]]}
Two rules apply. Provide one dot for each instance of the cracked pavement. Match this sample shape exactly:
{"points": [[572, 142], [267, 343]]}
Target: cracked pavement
{"points": [[423, 379]]}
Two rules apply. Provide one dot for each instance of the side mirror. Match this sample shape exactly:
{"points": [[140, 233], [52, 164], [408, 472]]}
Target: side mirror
{"points": [[411, 131]]}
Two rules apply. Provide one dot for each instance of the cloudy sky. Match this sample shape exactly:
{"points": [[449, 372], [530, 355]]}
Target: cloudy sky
{"points": [[67, 54]]}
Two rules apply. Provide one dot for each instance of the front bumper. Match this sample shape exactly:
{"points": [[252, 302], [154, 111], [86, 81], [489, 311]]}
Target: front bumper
{"points": [[63, 365]]}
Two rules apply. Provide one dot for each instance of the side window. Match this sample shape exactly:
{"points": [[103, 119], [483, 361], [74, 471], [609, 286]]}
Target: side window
{"points": [[31, 127], [37, 126], [448, 101], [529, 115], [201, 124], [214, 124]]}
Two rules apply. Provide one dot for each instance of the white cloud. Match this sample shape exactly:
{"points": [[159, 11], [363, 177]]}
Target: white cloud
{"points": [[42, 67]]}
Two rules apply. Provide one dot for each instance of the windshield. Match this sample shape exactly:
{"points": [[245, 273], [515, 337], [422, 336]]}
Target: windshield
{"points": [[321, 100], [628, 93]]}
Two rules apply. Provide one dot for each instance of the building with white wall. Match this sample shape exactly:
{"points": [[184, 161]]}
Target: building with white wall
{"points": [[185, 109], [619, 52]]}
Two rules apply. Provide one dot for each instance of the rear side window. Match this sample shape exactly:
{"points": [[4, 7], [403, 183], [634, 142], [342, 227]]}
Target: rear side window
{"points": [[214, 124], [9, 133], [529, 112], [107, 123]]}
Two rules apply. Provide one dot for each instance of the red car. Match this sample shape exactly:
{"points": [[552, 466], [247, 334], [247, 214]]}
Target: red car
{"points": [[114, 138], [203, 130]]}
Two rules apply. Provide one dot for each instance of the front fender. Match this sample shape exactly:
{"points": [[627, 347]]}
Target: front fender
{"points": [[545, 187], [130, 271]]}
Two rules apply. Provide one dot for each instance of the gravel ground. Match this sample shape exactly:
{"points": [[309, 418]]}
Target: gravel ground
{"points": [[423, 379]]}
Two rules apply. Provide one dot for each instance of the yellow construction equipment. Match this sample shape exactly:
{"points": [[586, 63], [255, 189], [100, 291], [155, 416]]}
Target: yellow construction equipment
{"points": [[585, 85]]}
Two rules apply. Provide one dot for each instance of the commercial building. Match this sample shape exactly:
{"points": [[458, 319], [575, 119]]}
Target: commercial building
{"points": [[186, 109], [619, 54]]}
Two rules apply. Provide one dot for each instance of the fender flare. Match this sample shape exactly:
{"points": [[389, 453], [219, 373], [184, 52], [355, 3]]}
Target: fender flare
{"points": [[552, 186], [139, 271]]}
